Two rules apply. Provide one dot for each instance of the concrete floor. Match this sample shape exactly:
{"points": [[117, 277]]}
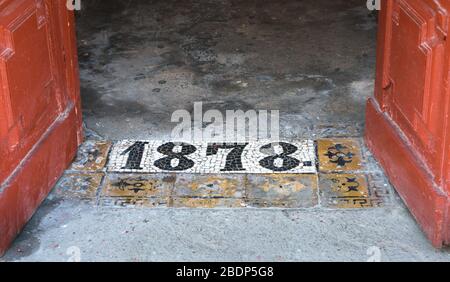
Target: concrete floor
{"points": [[141, 60], [107, 234]]}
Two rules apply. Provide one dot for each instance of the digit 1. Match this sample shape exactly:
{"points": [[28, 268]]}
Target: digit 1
{"points": [[135, 153]]}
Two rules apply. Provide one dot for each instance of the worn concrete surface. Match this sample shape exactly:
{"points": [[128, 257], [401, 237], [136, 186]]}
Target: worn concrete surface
{"points": [[141, 60], [100, 234], [80, 220]]}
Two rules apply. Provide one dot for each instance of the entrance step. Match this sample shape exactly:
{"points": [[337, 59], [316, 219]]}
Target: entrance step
{"points": [[324, 173]]}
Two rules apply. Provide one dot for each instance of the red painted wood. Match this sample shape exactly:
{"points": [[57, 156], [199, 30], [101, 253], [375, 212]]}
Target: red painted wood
{"points": [[427, 201], [40, 120], [411, 109]]}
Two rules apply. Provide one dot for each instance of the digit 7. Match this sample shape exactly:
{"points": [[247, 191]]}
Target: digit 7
{"points": [[234, 158]]}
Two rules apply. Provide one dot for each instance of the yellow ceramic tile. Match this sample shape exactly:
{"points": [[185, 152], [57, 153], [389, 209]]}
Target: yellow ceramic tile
{"points": [[137, 189], [189, 202], [78, 186], [129, 201], [282, 190], [208, 191], [92, 156], [339, 155], [209, 186], [344, 191]]}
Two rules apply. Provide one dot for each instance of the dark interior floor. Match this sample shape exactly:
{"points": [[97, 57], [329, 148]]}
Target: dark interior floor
{"points": [[141, 60]]}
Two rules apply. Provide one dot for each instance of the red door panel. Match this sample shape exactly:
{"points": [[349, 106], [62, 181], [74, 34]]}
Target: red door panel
{"points": [[407, 123], [416, 75], [39, 105], [28, 72]]}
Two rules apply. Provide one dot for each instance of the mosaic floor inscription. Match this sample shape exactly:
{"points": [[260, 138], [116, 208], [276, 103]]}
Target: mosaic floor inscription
{"points": [[227, 175], [252, 157]]}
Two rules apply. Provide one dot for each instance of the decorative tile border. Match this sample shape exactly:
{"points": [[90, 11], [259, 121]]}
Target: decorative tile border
{"points": [[136, 190], [282, 190], [351, 183], [81, 186], [339, 155], [211, 158], [92, 156], [345, 191]]}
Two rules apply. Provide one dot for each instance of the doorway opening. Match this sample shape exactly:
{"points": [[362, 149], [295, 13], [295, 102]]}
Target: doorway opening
{"points": [[140, 61], [310, 62]]}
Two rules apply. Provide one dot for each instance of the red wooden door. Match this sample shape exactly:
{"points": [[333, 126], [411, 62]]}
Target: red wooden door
{"points": [[40, 120], [408, 121]]}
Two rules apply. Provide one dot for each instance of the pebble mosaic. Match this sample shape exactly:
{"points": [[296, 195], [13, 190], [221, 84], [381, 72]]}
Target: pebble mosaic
{"points": [[227, 175], [253, 157]]}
